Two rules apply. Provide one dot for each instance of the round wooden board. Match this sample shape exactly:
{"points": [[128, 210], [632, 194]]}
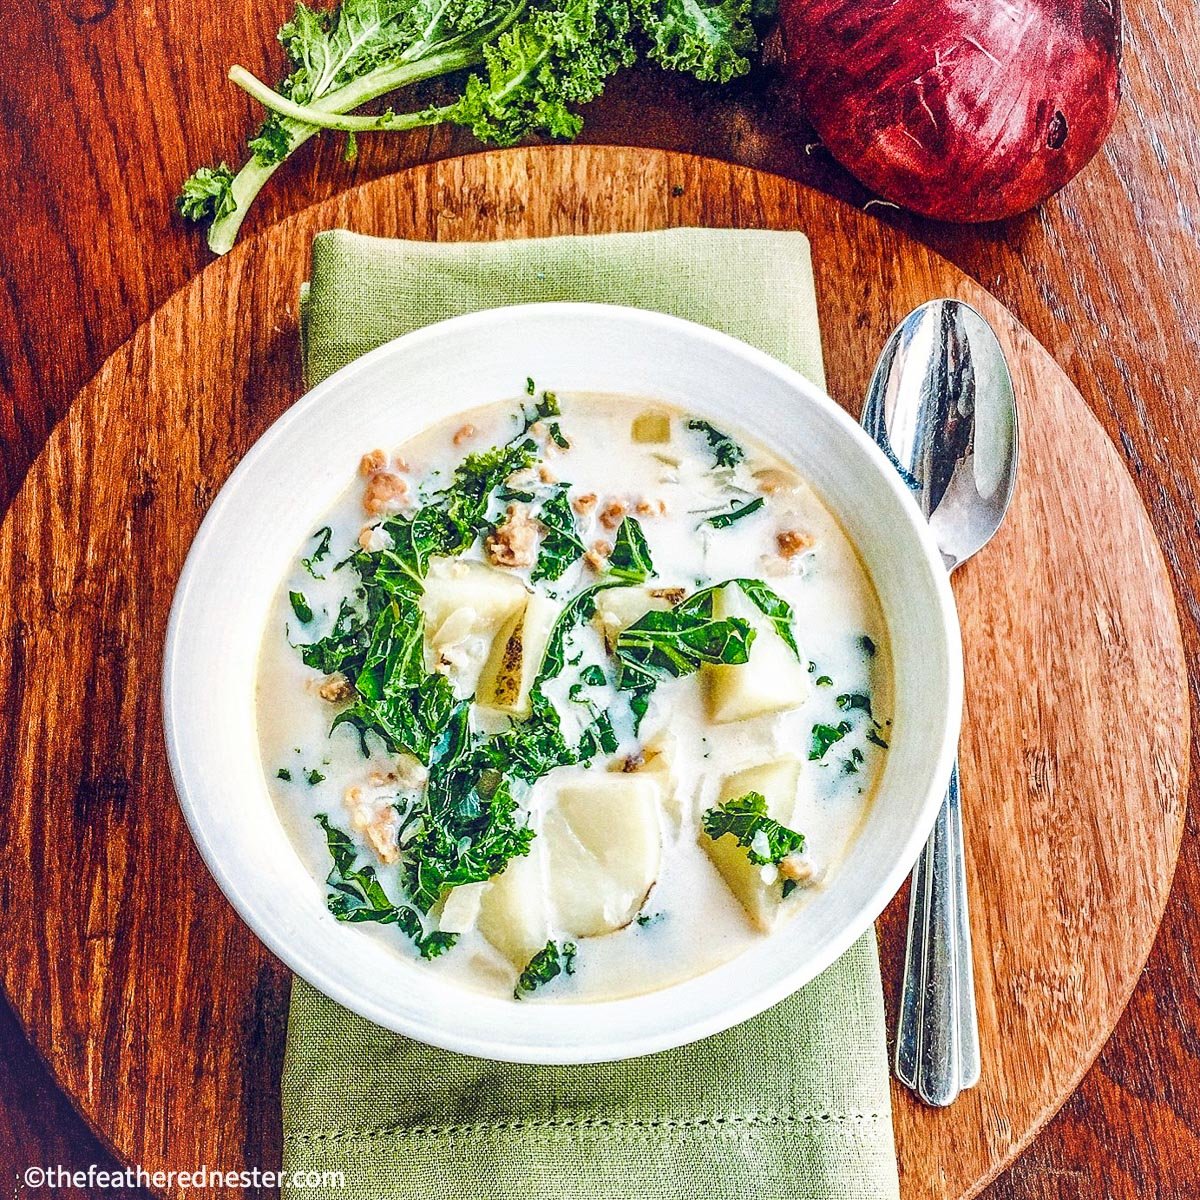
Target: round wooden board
{"points": [[163, 1017]]}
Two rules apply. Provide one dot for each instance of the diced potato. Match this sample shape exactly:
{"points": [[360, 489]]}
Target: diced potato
{"points": [[460, 909], [759, 889], [603, 847], [652, 427], [512, 910], [656, 761], [516, 656], [618, 608], [773, 679], [452, 584]]}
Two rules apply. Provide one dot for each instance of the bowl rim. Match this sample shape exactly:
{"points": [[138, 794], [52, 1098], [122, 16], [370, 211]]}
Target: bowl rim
{"points": [[942, 624]]}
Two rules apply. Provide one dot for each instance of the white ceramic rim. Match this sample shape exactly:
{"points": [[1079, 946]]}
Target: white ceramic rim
{"points": [[630, 1026]]}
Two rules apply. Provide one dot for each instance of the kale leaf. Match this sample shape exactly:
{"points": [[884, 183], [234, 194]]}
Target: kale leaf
{"points": [[320, 552], [531, 64], [561, 545], [630, 559], [825, 736], [664, 645], [712, 40]]}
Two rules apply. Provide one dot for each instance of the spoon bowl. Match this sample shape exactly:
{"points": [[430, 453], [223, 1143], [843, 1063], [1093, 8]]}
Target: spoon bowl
{"points": [[941, 406]]}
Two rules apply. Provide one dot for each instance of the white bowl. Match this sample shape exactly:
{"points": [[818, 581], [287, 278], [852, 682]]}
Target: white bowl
{"points": [[277, 496]]}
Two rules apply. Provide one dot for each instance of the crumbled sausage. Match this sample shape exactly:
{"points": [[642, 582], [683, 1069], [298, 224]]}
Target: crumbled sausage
{"points": [[585, 503], [598, 555], [772, 480], [651, 508], [377, 820], [464, 434], [376, 460], [336, 689], [792, 542], [613, 513], [546, 475], [672, 595], [513, 543], [385, 493]]}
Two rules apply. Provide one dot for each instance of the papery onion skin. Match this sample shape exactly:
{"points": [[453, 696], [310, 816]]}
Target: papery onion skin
{"points": [[961, 110]]}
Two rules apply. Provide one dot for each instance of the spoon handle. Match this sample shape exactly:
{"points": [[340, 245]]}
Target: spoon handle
{"points": [[937, 1037]]}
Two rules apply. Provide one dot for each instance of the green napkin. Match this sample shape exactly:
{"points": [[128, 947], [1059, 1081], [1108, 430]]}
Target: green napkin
{"points": [[789, 1106]]}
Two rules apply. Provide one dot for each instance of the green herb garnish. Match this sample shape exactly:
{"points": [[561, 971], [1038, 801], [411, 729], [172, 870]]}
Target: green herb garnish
{"points": [[284, 773], [855, 700], [314, 777]]}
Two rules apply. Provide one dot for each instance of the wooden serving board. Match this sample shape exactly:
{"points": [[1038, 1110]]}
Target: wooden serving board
{"points": [[161, 1015]]}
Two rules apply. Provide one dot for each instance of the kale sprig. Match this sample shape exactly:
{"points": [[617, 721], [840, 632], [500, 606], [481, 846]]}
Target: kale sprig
{"points": [[531, 64], [765, 840], [357, 895]]}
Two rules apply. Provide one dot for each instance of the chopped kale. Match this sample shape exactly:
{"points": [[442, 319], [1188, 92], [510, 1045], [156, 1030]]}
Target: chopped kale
{"points": [[630, 559], [824, 736], [765, 840], [561, 545], [547, 964], [301, 607], [320, 552], [725, 450], [736, 513], [356, 895]]}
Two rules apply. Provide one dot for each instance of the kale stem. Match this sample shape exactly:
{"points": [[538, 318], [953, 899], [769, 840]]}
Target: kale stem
{"points": [[311, 115], [253, 176]]}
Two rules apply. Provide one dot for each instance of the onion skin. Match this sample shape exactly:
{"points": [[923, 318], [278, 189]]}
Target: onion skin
{"points": [[961, 110]]}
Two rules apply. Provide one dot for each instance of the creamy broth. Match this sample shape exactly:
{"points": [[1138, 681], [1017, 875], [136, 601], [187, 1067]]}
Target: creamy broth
{"points": [[685, 901]]}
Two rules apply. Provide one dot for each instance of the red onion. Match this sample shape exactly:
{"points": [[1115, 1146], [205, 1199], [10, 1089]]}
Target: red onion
{"points": [[963, 110]]}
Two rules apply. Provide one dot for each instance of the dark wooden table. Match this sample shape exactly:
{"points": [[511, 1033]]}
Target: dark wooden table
{"points": [[105, 105]]}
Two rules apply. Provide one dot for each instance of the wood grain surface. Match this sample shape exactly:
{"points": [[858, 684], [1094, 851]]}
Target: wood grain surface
{"points": [[107, 104], [1069, 632]]}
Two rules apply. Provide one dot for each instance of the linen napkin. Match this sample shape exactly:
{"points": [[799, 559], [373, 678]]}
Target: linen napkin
{"points": [[792, 1105]]}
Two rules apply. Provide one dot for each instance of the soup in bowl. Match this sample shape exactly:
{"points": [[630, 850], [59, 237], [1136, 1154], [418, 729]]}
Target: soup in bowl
{"points": [[590, 682]]}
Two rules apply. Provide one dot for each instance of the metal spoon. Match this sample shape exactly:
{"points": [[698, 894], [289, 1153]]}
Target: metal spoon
{"points": [[941, 406]]}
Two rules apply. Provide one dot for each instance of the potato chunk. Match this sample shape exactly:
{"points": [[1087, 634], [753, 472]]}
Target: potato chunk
{"points": [[460, 909], [773, 679], [453, 584], [776, 782], [516, 656], [618, 608], [603, 847], [652, 427], [513, 913]]}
